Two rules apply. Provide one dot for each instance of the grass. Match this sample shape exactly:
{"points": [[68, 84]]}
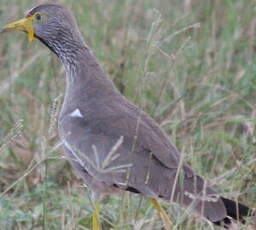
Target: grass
{"points": [[189, 64]]}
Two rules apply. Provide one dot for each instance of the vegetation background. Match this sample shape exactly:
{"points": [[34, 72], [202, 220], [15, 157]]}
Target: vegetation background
{"points": [[191, 64]]}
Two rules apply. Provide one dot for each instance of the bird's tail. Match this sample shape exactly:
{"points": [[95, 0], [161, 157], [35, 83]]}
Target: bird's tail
{"points": [[235, 211]]}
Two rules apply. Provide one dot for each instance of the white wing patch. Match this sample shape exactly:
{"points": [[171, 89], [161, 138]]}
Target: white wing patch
{"points": [[76, 113]]}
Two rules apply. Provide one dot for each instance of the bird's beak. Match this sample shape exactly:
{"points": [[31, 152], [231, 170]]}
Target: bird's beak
{"points": [[25, 24]]}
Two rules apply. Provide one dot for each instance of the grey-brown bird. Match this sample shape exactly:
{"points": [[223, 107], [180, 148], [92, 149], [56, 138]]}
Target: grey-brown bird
{"points": [[111, 143]]}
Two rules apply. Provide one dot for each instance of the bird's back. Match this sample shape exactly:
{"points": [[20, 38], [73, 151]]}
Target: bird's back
{"points": [[122, 146]]}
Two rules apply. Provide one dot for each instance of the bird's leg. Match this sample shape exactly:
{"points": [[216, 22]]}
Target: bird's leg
{"points": [[162, 213], [96, 217]]}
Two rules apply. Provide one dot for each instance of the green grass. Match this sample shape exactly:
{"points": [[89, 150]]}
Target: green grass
{"points": [[191, 67]]}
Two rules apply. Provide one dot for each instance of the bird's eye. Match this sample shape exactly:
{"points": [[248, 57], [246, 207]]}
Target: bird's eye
{"points": [[38, 17]]}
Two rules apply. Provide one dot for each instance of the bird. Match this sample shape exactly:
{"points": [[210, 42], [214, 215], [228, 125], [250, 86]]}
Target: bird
{"points": [[111, 143]]}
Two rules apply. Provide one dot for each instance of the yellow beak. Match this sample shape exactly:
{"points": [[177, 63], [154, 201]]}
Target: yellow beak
{"points": [[25, 24]]}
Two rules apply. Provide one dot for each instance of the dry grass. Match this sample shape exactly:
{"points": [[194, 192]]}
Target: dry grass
{"points": [[190, 64]]}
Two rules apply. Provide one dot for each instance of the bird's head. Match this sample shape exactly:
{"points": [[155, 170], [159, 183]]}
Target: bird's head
{"points": [[52, 24]]}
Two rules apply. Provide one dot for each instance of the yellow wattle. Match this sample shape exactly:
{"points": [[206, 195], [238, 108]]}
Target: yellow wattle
{"points": [[25, 24]]}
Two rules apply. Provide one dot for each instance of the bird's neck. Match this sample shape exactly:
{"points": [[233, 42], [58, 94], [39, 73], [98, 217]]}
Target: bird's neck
{"points": [[85, 79], [82, 68], [83, 71]]}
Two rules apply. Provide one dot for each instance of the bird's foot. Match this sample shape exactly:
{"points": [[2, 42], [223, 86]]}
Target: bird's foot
{"points": [[162, 213], [96, 217]]}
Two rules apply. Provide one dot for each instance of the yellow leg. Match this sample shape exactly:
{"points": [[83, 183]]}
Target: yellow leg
{"points": [[96, 217], [162, 213]]}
